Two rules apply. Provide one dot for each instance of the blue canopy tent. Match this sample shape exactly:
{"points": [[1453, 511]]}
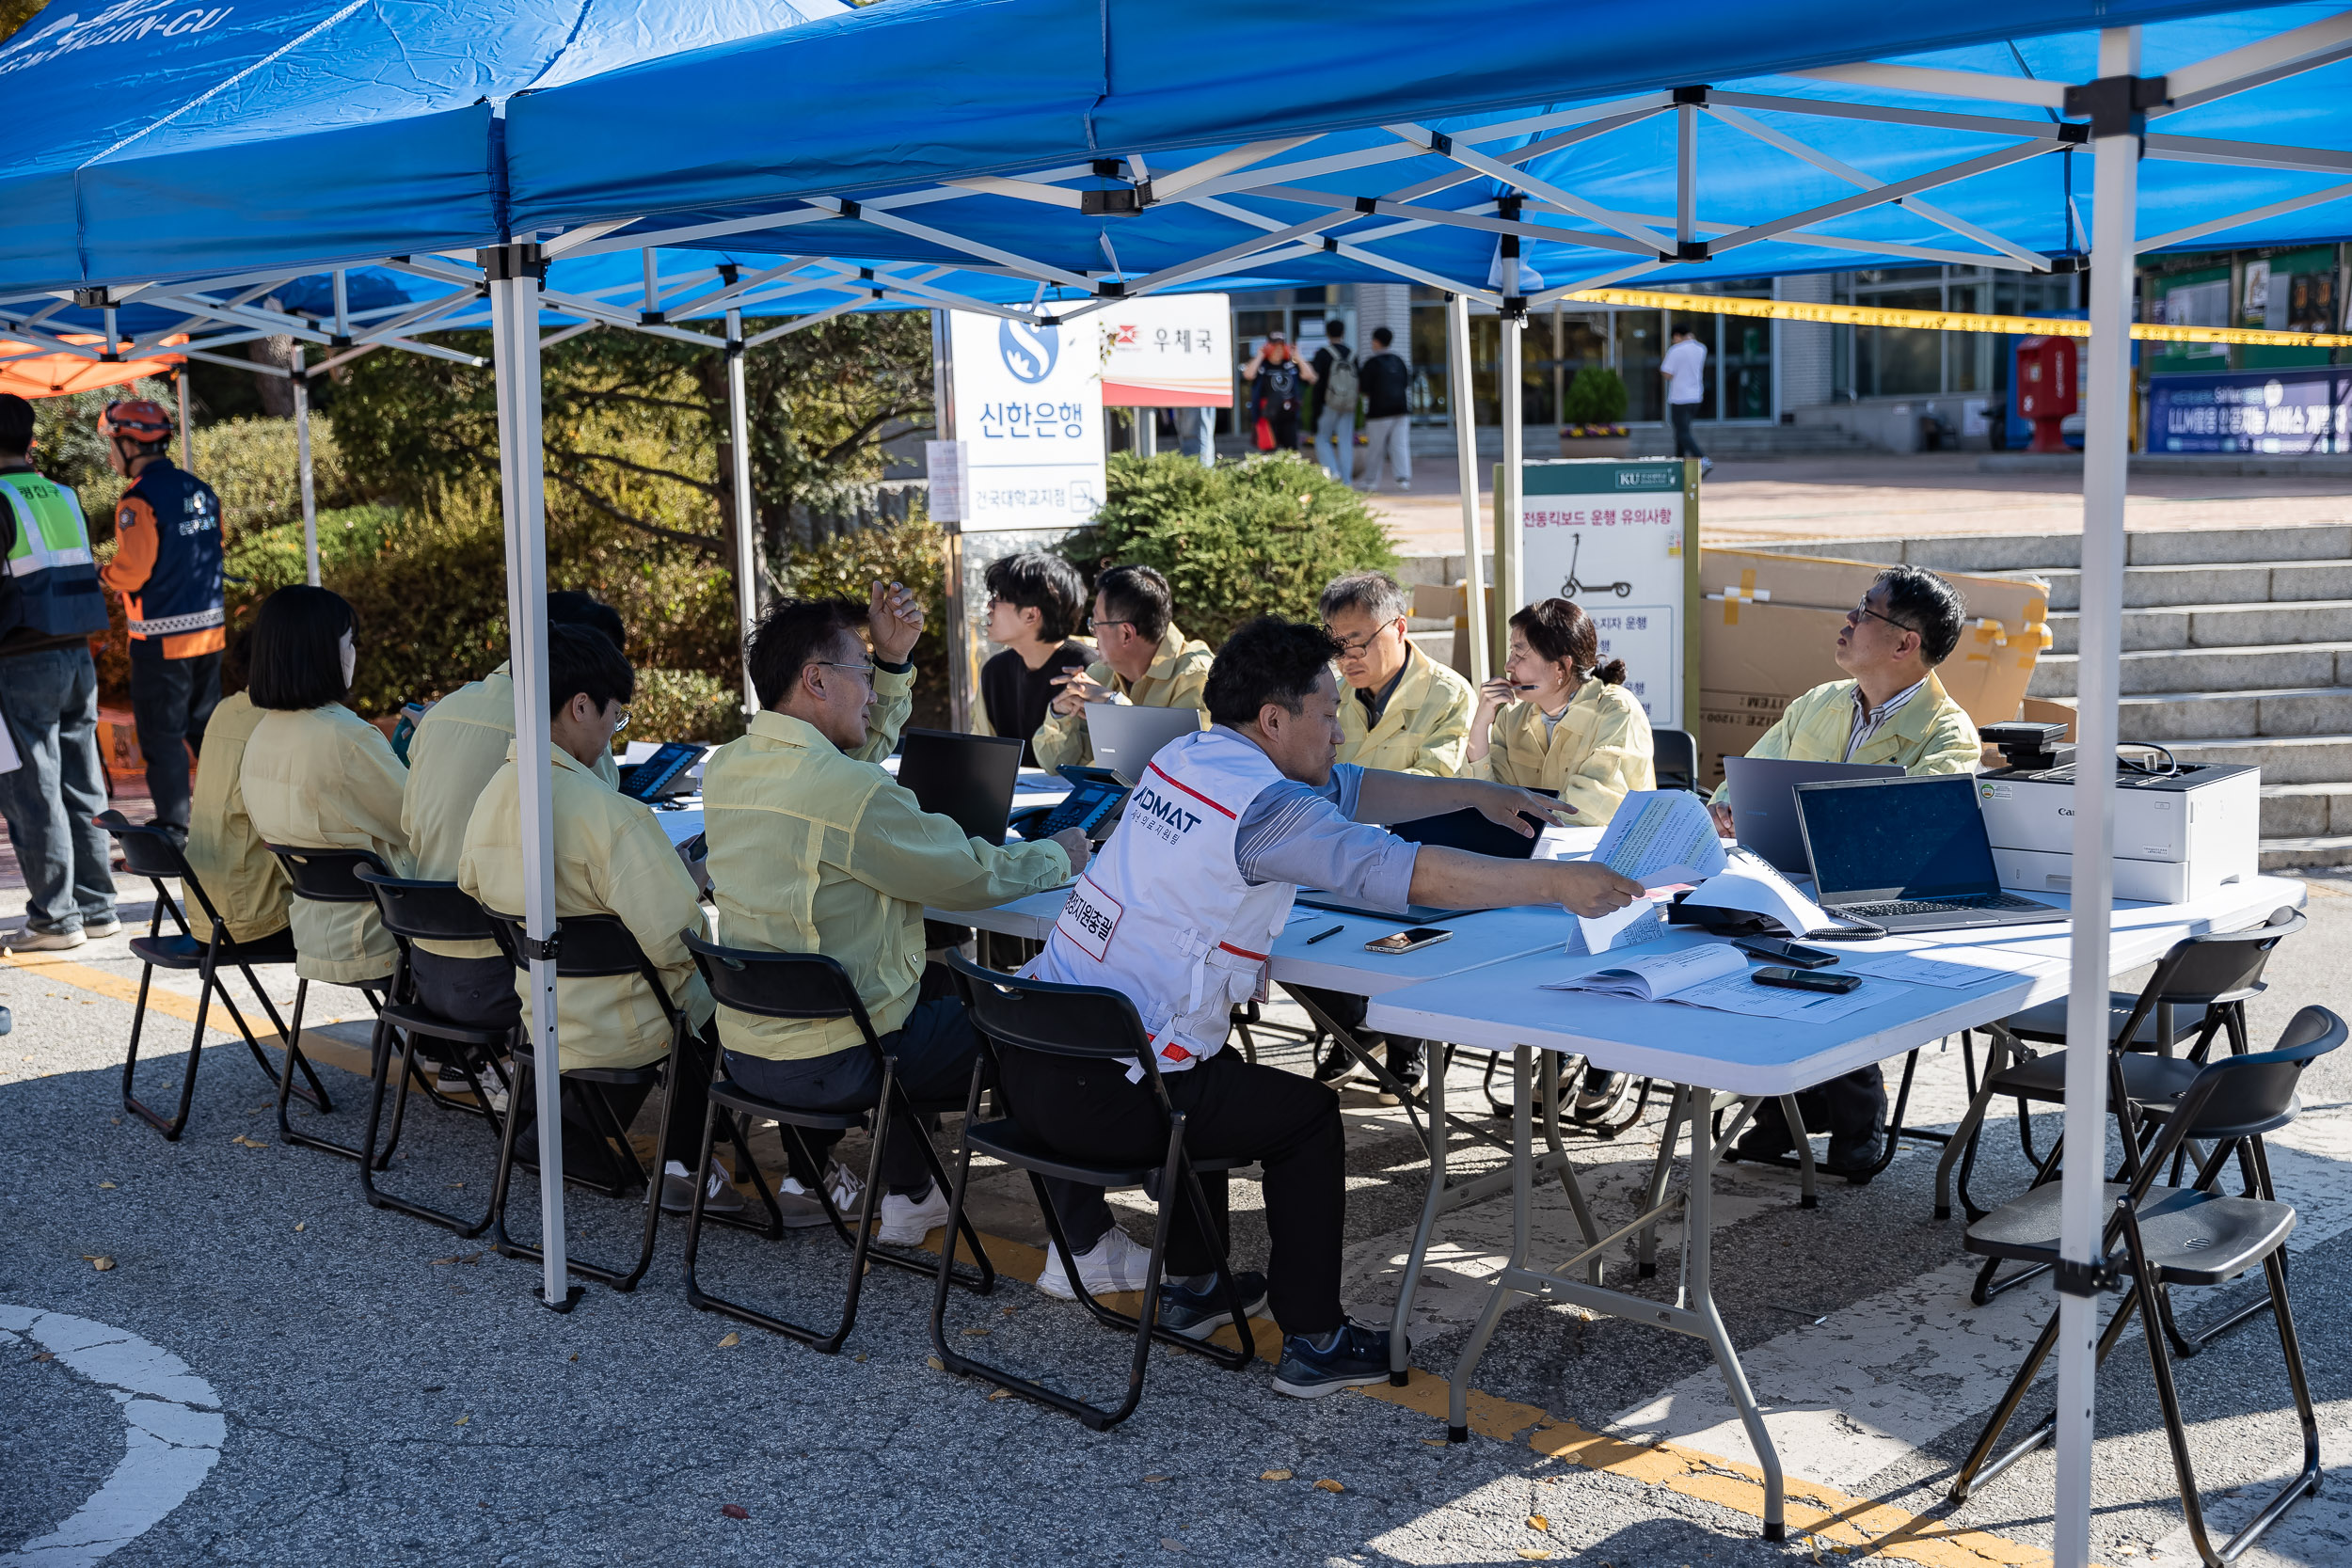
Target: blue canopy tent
{"points": [[1116, 147]]}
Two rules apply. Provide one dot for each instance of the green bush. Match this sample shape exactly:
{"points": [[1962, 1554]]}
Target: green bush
{"points": [[684, 704], [1596, 396], [1257, 537], [260, 564], [913, 553]]}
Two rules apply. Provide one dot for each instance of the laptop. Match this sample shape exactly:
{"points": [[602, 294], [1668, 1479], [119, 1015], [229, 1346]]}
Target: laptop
{"points": [[1764, 803], [1907, 855], [1471, 830], [1126, 736], [663, 774], [968, 777]]}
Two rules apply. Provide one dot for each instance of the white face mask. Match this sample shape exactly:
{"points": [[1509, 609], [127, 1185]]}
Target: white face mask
{"points": [[350, 652]]}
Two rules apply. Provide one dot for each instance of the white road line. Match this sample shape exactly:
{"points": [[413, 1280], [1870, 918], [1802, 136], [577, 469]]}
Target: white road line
{"points": [[173, 1434], [1893, 1371]]}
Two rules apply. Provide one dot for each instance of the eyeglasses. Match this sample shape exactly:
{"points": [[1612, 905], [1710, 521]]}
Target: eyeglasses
{"points": [[1096, 623], [623, 723], [864, 668], [1354, 647], [1864, 610]]}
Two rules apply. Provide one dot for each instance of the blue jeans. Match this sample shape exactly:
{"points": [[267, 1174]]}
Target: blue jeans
{"points": [[50, 700], [1335, 444]]}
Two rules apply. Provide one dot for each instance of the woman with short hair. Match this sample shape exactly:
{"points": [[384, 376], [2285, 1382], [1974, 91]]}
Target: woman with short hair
{"points": [[317, 776], [1560, 720]]}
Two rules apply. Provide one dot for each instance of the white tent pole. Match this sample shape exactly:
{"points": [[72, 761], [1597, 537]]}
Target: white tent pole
{"points": [[1510, 559], [1466, 460], [513, 281], [2081, 1207], [302, 462], [746, 548], [180, 396]]}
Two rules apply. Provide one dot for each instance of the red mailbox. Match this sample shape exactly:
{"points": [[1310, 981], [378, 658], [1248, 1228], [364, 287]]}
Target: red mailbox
{"points": [[2046, 388]]}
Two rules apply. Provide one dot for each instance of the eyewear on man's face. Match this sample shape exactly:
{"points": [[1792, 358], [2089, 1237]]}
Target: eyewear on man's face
{"points": [[1095, 623], [622, 722], [1863, 611], [865, 669], [1355, 647]]}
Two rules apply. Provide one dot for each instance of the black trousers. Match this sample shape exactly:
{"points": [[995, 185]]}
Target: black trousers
{"points": [[1086, 1109], [480, 992], [1686, 444], [171, 701], [1346, 1009], [1851, 1108]]}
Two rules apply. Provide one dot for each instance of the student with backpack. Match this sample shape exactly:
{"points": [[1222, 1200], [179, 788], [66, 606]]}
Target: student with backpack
{"points": [[1336, 390]]}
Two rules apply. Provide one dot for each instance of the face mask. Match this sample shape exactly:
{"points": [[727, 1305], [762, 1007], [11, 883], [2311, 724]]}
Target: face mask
{"points": [[350, 653]]}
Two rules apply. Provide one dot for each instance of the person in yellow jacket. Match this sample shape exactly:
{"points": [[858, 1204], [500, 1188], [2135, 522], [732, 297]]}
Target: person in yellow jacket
{"points": [[1559, 718], [1402, 712], [612, 858], [1891, 709], [243, 881], [317, 776], [1146, 660]]}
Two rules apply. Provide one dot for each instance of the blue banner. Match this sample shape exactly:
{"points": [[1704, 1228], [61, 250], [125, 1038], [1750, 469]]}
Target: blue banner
{"points": [[2289, 412]]}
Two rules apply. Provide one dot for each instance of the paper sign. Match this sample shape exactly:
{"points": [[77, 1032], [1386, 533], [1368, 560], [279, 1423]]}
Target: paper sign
{"points": [[945, 461], [1614, 536], [1166, 350], [1028, 402]]}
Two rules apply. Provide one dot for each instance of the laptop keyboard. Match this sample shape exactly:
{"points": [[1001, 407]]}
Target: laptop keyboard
{"points": [[1941, 906]]}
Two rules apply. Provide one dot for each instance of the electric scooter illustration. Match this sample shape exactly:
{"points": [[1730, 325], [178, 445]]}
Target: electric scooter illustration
{"points": [[1575, 590]]}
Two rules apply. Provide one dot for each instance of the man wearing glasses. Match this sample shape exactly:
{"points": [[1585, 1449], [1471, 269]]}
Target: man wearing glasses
{"points": [[1146, 660], [1893, 710]]}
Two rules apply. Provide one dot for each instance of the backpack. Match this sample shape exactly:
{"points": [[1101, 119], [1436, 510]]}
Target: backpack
{"points": [[1340, 389]]}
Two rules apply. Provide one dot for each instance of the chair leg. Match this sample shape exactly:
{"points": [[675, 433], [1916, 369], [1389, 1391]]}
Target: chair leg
{"points": [[1976, 1473], [376, 1196], [178, 1123], [286, 1133], [1961, 1150]]}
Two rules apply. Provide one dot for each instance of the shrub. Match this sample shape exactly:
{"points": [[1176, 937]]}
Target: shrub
{"points": [[1596, 396], [913, 553], [684, 704], [1261, 536]]}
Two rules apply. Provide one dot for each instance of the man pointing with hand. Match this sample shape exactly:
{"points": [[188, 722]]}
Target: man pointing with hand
{"points": [[1180, 910]]}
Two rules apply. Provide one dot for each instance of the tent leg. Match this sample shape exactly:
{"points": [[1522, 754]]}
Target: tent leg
{"points": [[2116, 149], [179, 398], [512, 275], [302, 460], [746, 545], [1466, 462], [1510, 559]]}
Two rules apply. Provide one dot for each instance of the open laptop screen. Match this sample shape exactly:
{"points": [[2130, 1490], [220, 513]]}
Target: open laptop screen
{"points": [[1874, 839], [966, 777]]}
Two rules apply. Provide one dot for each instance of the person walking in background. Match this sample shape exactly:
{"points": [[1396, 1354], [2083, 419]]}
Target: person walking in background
{"points": [[1388, 382], [167, 567], [1034, 601], [1335, 395], [50, 783], [1278, 381], [1685, 370]]}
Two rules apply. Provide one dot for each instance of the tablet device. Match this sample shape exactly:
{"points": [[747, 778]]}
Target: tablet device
{"points": [[663, 774]]}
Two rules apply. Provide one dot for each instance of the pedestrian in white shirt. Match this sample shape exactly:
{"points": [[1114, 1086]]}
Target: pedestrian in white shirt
{"points": [[1685, 370]]}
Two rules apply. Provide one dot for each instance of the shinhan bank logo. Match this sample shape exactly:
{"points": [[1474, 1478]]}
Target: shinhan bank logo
{"points": [[1029, 350]]}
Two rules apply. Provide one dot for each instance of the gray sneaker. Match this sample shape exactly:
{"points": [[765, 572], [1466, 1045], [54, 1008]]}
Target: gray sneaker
{"points": [[30, 941], [677, 1191]]}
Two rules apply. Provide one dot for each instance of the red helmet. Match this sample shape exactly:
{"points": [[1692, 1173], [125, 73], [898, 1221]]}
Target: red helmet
{"points": [[137, 419]]}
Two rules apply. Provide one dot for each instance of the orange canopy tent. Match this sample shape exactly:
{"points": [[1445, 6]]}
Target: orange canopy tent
{"points": [[28, 372]]}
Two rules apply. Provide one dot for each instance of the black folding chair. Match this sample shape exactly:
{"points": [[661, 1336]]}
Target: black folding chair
{"points": [[1095, 1024], [2174, 1235], [2217, 972], [1675, 758], [809, 987], [424, 911], [151, 853], [591, 948], [323, 877]]}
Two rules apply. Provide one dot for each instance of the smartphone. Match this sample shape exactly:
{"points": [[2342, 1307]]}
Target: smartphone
{"points": [[1797, 979], [1773, 950], [1406, 940]]}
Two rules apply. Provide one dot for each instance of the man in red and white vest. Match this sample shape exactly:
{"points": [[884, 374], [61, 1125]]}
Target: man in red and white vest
{"points": [[1180, 911]]}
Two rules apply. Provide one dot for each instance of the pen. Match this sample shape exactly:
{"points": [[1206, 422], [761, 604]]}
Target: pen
{"points": [[1320, 935]]}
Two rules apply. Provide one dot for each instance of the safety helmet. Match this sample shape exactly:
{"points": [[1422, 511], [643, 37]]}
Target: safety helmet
{"points": [[136, 419]]}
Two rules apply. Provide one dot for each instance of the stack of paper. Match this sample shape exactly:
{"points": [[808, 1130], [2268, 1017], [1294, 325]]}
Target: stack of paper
{"points": [[1664, 839]]}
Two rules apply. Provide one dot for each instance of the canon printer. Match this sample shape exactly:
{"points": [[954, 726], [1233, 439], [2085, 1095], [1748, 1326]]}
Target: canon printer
{"points": [[2181, 828]]}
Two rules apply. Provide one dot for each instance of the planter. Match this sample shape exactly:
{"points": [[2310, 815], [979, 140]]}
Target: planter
{"points": [[1574, 442]]}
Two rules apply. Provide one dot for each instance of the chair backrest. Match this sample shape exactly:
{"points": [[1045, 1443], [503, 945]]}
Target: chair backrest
{"points": [[328, 876], [1674, 757], [151, 852], [2238, 1095], [2219, 966], [427, 912], [1044, 1015], [805, 985]]}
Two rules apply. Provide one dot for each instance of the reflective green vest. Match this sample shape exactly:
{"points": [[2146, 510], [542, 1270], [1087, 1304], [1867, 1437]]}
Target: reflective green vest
{"points": [[52, 585]]}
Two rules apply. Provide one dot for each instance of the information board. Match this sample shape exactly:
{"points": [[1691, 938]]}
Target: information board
{"points": [[1166, 350], [1620, 538], [1028, 415], [2290, 412]]}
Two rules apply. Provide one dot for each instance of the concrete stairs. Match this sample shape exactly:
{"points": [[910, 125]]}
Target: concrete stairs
{"points": [[2237, 648], [1751, 441]]}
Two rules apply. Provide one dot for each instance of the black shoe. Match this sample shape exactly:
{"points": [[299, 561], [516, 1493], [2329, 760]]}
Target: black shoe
{"points": [[1763, 1145], [1336, 1064], [1357, 1360], [1856, 1161], [1198, 1314]]}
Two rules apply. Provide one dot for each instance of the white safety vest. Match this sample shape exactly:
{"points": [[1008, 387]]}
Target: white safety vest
{"points": [[1162, 913]]}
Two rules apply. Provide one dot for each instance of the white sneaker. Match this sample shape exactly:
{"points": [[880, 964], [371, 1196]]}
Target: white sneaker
{"points": [[906, 1221], [30, 941], [99, 930], [1117, 1262]]}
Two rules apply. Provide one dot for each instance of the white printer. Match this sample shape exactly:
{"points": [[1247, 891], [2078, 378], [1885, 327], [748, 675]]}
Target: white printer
{"points": [[2177, 833]]}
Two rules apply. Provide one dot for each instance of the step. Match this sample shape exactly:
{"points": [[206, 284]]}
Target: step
{"points": [[2285, 854], [2219, 625], [2311, 759], [2167, 718], [2038, 552], [2264, 667], [2241, 583], [2306, 810]]}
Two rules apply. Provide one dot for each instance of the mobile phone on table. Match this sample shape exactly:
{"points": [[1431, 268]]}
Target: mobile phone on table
{"points": [[1773, 950], [1797, 979], [1409, 940]]}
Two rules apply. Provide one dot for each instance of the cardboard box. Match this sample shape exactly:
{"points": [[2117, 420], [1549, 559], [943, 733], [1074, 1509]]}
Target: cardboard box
{"points": [[1769, 632], [1439, 601]]}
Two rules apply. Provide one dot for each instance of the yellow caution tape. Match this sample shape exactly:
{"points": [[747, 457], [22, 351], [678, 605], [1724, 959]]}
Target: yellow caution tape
{"points": [[1941, 321]]}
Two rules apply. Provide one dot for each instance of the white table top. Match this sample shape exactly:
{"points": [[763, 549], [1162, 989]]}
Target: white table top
{"points": [[1502, 1005], [1036, 786]]}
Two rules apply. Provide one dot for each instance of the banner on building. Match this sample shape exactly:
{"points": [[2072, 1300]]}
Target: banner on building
{"points": [[2306, 411], [1028, 417], [1166, 350]]}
